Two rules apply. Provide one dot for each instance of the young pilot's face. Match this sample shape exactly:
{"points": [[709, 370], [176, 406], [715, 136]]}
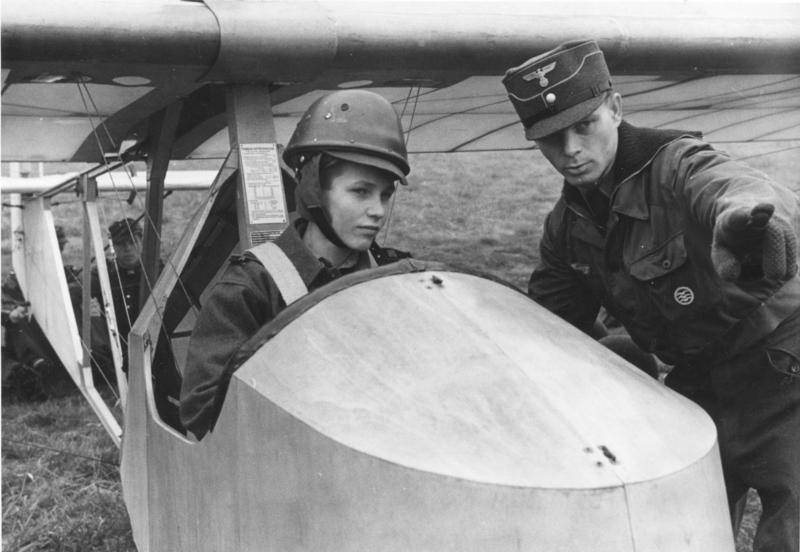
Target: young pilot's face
{"points": [[584, 151], [356, 198], [128, 251]]}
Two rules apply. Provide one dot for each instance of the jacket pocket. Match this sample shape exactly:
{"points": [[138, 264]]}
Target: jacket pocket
{"points": [[673, 285], [785, 361], [661, 261]]}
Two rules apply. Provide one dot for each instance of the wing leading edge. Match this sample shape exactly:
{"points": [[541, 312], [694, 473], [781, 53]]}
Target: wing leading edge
{"points": [[82, 84]]}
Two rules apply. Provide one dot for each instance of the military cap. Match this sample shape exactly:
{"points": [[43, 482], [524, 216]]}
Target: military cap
{"points": [[123, 230], [558, 88]]}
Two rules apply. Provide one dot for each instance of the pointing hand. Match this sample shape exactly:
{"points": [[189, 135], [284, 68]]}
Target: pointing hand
{"points": [[754, 244]]}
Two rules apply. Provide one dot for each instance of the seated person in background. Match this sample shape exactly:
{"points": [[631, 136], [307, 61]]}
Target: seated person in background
{"points": [[124, 275], [348, 154], [25, 347]]}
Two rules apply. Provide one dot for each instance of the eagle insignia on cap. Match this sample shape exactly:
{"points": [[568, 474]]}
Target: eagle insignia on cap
{"points": [[540, 74]]}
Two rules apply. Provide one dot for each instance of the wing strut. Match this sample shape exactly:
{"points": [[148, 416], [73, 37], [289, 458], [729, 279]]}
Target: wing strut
{"points": [[93, 248], [163, 126], [39, 267], [261, 203]]}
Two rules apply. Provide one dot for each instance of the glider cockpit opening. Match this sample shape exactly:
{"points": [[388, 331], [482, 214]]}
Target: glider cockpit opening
{"points": [[246, 206]]}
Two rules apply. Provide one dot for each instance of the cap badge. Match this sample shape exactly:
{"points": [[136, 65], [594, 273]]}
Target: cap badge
{"points": [[550, 98], [540, 74]]}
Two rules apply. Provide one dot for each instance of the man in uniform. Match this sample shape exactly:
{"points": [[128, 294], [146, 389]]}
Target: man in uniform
{"points": [[124, 275], [693, 252]]}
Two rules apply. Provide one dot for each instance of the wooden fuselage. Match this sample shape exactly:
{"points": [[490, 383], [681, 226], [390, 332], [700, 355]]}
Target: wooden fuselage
{"points": [[427, 410]]}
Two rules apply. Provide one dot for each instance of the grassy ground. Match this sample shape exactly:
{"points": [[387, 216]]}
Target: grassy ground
{"points": [[60, 478], [61, 488]]}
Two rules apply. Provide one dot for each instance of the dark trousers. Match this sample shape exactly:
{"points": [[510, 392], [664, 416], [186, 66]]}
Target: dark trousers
{"points": [[25, 343], [754, 399], [31, 369]]}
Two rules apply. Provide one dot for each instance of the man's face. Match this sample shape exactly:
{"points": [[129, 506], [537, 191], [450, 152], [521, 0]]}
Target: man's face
{"points": [[128, 252], [584, 151], [356, 199]]}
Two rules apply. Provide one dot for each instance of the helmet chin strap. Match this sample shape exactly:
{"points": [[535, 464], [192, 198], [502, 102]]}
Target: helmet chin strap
{"points": [[320, 218], [309, 200]]}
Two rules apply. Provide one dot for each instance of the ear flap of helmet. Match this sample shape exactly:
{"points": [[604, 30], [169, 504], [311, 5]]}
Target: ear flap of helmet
{"points": [[308, 196]]}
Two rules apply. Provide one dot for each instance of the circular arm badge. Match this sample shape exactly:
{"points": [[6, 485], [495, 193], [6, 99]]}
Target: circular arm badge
{"points": [[683, 295]]}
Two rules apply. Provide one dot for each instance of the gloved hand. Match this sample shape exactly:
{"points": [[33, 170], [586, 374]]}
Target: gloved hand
{"points": [[19, 313], [94, 308], [754, 244]]}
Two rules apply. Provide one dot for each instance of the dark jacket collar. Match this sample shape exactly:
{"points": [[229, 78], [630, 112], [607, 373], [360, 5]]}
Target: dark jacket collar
{"points": [[636, 148], [313, 271]]}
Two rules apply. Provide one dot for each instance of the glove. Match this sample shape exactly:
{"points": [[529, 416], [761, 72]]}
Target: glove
{"points": [[752, 245], [19, 313], [94, 308]]}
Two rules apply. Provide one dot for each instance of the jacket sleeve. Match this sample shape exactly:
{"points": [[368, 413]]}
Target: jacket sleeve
{"points": [[237, 307], [12, 293], [711, 183], [554, 284]]}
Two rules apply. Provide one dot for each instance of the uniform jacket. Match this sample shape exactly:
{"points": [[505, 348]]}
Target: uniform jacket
{"points": [[12, 292], [241, 302], [649, 262], [125, 284]]}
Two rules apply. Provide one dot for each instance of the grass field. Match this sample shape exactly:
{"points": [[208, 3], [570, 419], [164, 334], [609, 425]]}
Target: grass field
{"points": [[60, 481]]}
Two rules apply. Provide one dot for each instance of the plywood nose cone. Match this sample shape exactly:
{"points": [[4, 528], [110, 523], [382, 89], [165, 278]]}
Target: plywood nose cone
{"points": [[427, 404]]}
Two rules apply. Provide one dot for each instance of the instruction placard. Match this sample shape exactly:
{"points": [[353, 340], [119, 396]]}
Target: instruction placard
{"points": [[261, 179]]}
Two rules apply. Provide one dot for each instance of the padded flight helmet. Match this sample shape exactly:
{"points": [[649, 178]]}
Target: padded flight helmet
{"points": [[358, 124], [353, 125]]}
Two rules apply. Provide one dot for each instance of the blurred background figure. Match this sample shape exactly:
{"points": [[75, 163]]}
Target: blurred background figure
{"points": [[30, 368], [124, 274]]}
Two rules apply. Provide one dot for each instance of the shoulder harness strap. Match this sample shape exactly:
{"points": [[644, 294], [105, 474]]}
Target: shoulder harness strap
{"points": [[282, 271]]}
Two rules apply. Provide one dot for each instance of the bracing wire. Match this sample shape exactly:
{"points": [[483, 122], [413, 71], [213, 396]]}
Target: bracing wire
{"points": [[59, 451], [407, 134], [97, 112], [765, 153], [87, 346], [413, 113], [405, 103], [148, 220], [146, 215], [149, 284]]}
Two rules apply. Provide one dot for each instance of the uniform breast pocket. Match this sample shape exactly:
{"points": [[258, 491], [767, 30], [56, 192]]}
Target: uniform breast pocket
{"points": [[787, 362], [671, 282], [586, 248]]}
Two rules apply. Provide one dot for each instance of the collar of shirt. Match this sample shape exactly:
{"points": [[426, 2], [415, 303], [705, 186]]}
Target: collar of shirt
{"points": [[312, 270], [637, 147]]}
